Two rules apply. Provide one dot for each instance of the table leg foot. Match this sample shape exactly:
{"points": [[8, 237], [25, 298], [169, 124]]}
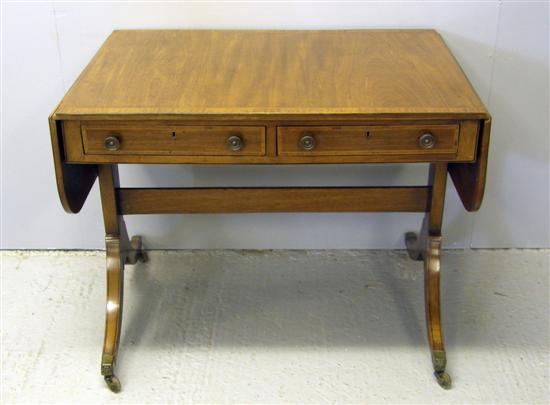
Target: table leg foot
{"points": [[107, 369], [113, 383], [113, 311], [136, 253], [444, 380], [439, 360]]}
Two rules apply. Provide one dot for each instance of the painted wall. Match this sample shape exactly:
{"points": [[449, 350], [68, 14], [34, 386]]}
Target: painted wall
{"points": [[502, 46]]}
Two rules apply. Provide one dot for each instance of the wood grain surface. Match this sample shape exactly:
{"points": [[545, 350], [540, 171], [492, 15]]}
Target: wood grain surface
{"points": [[274, 199], [234, 72]]}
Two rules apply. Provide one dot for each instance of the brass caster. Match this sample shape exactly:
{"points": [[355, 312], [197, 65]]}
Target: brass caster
{"points": [[443, 379], [113, 383]]}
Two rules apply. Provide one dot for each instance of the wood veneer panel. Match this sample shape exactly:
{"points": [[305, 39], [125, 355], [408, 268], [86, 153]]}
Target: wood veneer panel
{"points": [[247, 72], [248, 200]]}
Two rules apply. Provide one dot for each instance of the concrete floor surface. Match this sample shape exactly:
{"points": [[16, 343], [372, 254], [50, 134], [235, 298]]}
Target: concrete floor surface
{"points": [[276, 327]]}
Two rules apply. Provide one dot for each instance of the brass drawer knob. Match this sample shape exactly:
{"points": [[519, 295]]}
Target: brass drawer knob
{"points": [[307, 142], [426, 141], [112, 143], [235, 143]]}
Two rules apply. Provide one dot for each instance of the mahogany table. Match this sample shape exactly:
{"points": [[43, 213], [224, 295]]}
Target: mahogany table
{"points": [[270, 97]]}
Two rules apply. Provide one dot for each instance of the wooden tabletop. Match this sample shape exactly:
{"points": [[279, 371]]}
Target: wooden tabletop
{"points": [[151, 73]]}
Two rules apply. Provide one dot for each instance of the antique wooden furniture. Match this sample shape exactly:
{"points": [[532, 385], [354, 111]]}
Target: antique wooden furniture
{"points": [[270, 97]]}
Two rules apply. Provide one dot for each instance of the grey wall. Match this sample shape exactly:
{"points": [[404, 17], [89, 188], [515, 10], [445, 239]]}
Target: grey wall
{"points": [[501, 45]]}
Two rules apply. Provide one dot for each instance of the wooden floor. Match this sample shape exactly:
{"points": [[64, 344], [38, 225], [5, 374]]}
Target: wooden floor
{"points": [[276, 327]]}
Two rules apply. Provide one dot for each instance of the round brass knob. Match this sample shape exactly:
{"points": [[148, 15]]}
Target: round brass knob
{"points": [[235, 142], [426, 141], [307, 142], [112, 143]]}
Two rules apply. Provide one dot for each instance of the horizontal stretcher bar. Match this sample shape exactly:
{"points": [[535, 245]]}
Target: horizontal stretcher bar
{"points": [[279, 199]]}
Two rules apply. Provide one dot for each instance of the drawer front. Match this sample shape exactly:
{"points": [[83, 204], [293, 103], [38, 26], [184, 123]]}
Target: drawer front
{"points": [[368, 140], [173, 140]]}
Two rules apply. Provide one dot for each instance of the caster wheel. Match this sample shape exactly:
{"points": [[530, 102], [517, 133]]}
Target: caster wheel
{"points": [[113, 383], [444, 380]]}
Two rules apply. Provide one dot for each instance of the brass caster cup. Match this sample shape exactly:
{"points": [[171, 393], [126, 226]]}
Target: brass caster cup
{"points": [[443, 379], [113, 383]]}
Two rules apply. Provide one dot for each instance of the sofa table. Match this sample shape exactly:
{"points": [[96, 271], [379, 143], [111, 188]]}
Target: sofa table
{"points": [[270, 97]]}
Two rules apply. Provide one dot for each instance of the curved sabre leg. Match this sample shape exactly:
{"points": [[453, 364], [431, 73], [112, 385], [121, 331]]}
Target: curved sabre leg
{"points": [[426, 246], [116, 257], [433, 310], [119, 251], [113, 314]]}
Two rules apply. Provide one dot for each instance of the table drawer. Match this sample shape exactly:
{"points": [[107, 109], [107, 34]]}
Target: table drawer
{"points": [[109, 139], [368, 140]]}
